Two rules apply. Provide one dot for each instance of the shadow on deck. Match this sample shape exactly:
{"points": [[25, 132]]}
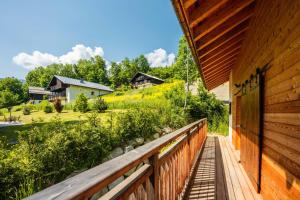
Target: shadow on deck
{"points": [[219, 174]]}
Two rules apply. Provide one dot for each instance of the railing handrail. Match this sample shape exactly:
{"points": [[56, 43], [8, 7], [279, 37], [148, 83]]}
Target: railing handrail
{"points": [[91, 181]]}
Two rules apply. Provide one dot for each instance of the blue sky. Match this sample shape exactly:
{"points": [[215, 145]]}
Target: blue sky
{"points": [[112, 28]]}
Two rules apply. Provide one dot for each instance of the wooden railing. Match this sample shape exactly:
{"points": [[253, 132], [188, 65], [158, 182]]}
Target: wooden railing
{"points": [[166, 168]]}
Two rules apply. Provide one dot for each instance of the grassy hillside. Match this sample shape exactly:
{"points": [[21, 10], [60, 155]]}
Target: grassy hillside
{"points": [[143, 97]]}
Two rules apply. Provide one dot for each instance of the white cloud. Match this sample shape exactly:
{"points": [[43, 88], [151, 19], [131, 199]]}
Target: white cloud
{"points": [[36, 59], [159, 57]]}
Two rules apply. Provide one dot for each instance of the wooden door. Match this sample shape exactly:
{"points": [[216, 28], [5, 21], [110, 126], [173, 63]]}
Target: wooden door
{"points": [[238, 123], [251, 132]]}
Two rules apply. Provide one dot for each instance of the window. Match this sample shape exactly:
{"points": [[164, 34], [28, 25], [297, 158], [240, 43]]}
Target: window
{"points": [[92, 93]]}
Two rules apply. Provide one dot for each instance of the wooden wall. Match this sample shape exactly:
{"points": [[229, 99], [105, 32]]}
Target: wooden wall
{"points": [[274, 37]]}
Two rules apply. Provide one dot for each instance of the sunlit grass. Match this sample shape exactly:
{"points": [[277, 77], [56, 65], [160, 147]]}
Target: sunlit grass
{"points": [[151, 96]]}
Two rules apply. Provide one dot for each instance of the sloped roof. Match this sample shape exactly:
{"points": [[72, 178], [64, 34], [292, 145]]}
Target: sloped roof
{"points": [[154, 77], [215, 31], [37, 90], [82, 83]]}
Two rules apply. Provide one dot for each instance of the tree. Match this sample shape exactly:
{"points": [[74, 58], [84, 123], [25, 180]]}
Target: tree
{"points": [[162, 72], [93, 70], [184, 59], [100, 105], [115, 74], [141, 64], [8, 100], [57, 105], [14, 86], [81, 103]]}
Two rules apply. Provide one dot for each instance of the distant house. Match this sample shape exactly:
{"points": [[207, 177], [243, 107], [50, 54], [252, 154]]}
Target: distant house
{"points": [[143, 80], [69, 88], [37, 94]]}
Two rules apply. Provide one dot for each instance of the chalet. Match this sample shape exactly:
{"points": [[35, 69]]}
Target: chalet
{"points": [[68, 88], [144, 80], [37, 94], [255, 45]]}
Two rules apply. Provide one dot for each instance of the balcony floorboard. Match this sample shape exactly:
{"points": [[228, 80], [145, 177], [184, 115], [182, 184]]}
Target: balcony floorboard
{"points": [[219, 174]]}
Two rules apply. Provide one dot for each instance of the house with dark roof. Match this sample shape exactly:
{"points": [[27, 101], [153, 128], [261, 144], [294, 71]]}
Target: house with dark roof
{"points": [[68, 88], [37, 94], [144, 80]]}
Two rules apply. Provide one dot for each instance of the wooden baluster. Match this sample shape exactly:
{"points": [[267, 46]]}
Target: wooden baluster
{"points": [[154, 178], [189, 148]]}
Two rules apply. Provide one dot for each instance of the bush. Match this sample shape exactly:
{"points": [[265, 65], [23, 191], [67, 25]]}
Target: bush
{"points": [[137, 123], [26, 110], [47, 154], [48, 109], [100, 105], [58, 106], [42, 105], [11, 118], [17, 108], [81, 103]]}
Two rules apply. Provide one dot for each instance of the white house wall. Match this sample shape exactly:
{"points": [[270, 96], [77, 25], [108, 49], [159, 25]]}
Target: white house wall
{"points": [[73, 91]]}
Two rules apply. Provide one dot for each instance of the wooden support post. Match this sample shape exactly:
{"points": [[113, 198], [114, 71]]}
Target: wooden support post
{"points": [[154, 178]]}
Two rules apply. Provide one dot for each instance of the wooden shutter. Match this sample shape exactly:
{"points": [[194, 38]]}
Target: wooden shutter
{"points": [[251, 132]]}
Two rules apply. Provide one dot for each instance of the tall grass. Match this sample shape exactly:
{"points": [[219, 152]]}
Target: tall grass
{"points": [[142, 98]]}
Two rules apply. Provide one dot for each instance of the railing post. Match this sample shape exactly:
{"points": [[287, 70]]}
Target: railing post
{"points": [[189, 148], [154, 178]]}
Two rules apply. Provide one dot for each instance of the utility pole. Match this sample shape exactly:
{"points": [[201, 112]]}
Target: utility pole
{"points": [[187, 77]]}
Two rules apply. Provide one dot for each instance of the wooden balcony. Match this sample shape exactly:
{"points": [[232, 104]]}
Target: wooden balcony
{"points": [[185, 164]]}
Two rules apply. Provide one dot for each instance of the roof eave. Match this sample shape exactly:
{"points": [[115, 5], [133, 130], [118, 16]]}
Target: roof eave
{"points": [[188, 34]]}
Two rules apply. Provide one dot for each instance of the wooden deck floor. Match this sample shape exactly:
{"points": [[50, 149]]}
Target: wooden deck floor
{"points": [[219, 175]]}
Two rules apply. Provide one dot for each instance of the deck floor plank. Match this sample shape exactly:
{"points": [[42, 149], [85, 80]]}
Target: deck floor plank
{"points": [[219, 175]]}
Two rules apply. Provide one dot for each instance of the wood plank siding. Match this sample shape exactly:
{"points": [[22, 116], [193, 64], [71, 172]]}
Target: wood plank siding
{"points": [[274, 38], [230, 40]]}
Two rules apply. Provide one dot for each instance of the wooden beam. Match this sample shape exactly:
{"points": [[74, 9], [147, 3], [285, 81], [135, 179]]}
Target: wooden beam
{"points": [[227, 53], [219, 70], [219, 67], [188, 3], [225, 67], [231, 8], [203, 10], [221, 40], [219, 81], [221, 44], [219, 74], [216, 84], [229, 57], [218, 52], [230, 33], [237, 20]]}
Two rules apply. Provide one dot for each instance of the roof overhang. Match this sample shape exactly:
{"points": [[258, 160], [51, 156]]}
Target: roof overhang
{"points": [[215, 31]]}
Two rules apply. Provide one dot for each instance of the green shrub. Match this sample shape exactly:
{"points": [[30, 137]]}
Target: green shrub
{"points": [[69, 106], [17, 108], [47, 154], [58, 106], [81, 103], [48, 109], [137, 123], [26, 110], [99, 105], [42, 105]]}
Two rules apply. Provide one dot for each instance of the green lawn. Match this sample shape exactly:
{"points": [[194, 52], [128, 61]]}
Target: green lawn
{"points": [[39, 118]]}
